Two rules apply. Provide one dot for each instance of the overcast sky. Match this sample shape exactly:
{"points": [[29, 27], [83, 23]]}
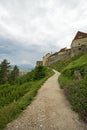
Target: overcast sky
{"points": [[31, 28]]}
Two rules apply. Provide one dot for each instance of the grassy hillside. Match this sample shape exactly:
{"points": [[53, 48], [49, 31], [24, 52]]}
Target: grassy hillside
{"points": [[61, 64], [14, 98], [75, 90]]}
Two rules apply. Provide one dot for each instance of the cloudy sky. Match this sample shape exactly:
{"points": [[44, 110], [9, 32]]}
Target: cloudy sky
{"points": [[31, 28]]}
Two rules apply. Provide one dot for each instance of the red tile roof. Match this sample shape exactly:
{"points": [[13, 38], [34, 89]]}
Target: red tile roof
{"points": [[54, 54], [80, 35], [62, 50]]}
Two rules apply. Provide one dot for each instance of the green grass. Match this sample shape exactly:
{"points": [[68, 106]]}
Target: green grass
{"points": [[10, 93], [61, 64], [79, 64], [75, 90], [82, 61], [15, 98]]}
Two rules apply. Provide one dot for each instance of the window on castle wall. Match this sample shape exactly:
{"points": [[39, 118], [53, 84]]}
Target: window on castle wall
{"points": [[79, 49], [79, 44]]}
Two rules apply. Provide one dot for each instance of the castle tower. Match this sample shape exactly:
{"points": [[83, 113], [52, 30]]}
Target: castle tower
{"points": [[79, 44]]}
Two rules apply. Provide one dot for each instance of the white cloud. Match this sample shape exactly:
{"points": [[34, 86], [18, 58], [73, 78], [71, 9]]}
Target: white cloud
{"points": [[46, 24]]}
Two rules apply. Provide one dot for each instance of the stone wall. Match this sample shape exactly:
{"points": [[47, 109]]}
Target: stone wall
{"points": [[78, 46], [66, 54], [45, 58], [39, 63], [59, 56], [79, 42], [78, 50]]}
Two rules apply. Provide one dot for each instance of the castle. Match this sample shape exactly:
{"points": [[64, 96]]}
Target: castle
{"points": [[78, 46]]}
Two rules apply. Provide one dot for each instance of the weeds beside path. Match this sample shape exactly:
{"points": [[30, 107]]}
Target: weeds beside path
{"points": [[49, 111]]}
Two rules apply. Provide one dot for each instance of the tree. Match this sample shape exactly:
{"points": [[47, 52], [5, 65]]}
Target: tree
{"points": [[14, 74], [39, 72], [4, 71]]}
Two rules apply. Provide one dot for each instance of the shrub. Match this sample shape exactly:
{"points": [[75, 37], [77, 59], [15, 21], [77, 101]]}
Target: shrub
{"points": [[15, 98]]}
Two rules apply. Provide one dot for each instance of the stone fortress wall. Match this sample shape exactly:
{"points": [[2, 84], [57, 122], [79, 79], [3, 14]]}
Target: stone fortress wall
{"points": [[62, 54], [78, 45]]}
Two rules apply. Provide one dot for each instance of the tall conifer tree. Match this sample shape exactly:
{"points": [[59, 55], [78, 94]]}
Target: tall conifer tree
{"points": [[4, 71]]}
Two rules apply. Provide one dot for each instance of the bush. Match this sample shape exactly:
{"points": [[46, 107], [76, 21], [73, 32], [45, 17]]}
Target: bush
{"points": [[39, 72], [15, 98], [76, 92]]}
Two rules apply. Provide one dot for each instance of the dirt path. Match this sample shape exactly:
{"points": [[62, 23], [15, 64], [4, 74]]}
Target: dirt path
{"points": [[49, 111]]}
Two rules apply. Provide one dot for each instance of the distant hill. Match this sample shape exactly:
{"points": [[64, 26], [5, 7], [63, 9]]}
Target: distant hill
{"points": [[26, 67]]}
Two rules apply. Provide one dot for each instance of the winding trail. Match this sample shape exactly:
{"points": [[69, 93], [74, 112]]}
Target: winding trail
{"points": [[49, 111]]}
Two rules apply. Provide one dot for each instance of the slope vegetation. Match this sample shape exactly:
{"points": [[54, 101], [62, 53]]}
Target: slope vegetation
{"points": [[14, 98], [75, 88]]}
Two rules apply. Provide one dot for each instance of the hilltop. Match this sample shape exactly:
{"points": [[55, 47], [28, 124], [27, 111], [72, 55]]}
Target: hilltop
{"points": [[78, 46], [72, 64]]}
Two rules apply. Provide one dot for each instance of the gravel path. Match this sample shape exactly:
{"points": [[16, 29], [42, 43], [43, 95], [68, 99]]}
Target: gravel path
{"points": [[49, 111]]}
